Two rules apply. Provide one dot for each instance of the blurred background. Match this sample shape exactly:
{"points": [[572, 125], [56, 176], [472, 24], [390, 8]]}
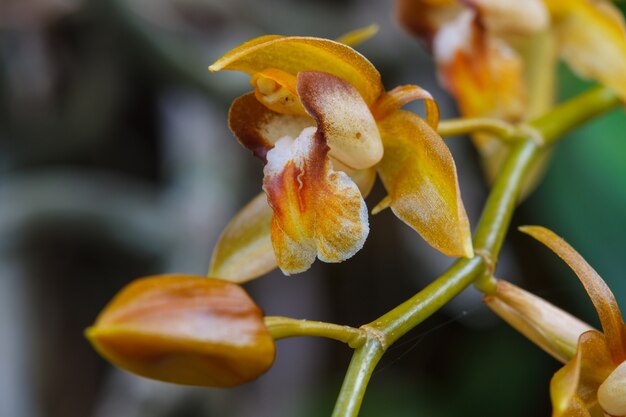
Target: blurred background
{"points": [[116, 163]]}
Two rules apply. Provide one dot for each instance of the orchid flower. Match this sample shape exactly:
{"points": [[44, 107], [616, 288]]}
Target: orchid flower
{"points": [[498, 57], [322, 124], [593, 381]]}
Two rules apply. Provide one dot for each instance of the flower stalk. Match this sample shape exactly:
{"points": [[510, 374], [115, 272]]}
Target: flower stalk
{"points": [[488, 238]]}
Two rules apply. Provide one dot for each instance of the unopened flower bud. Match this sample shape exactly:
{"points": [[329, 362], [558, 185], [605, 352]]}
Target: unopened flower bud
{"points": [[186, 330], [549, 327]]}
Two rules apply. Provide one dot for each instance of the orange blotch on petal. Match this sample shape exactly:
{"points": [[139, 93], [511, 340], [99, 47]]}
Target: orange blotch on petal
{"points": [[420, 176], [318, 212], [343, 117]]}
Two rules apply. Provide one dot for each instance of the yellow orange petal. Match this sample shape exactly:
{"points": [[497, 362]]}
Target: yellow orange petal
{"points": [[600, 294], [360, 35], [343, 117], [401, 95], [186, 330], [258, 128], [485, 76], [295, 54], [420, 176], [573, 388], [244, 250], [592, 39], [483, 73], [549, 327], [317, 211]]}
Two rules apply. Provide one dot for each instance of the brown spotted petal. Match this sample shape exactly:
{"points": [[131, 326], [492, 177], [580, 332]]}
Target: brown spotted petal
{"points": [[244, 250], [318, 212], [258, 128], [343, 117], [185, 329], [420, 176]]}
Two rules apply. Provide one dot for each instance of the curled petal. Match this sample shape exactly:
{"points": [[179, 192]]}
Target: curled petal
{"points": [[186, 330], [258, 128], [420, 176], [592, 39], [549, 327], [317, 211], [401, 95], [343, 117], [295, 54], [244, 250], [573, 388], [600, 294], [276, 90]]}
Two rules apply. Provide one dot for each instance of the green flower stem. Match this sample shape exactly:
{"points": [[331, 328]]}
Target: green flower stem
{"points": [[494, 222], [284, 327], [488, 238], [500, 128], [363, 362], [574, 112]]}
